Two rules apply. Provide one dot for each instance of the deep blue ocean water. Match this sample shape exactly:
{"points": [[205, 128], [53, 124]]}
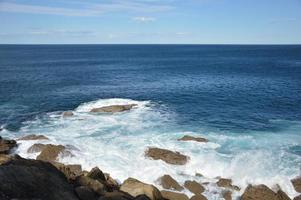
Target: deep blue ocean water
{"points": [[246, 99]]}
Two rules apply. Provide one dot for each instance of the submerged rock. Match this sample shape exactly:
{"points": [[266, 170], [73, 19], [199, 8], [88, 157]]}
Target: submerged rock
{"points": [[113, 108], [173, 195], [227, 183], [297, 184], [6, 146], [191, 138], [262, 192], [135, 188], [168, 156], [194, 187], [68, 114], [51, 152], [33, 179], [168, 182], [34, 137]]}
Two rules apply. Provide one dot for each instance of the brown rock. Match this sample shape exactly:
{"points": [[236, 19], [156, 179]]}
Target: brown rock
{"points": [[191, 138], [168, 156], [36, 148], [168, 182], [198, 197], [227, 195], [34, 137], [194, 187], [51, 152], [297, 184], [259, 192], [68, 114], [114, 108], [116, 195], [227, 183], [173, 195], [111, 183], [7, 145], [4, 158], [85, 193], [70, 171], [135, 188], [297, 197], [94, 185], [282, 195], [96, 174]]}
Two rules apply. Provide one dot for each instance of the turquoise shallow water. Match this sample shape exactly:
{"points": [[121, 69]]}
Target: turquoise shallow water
{"points": [[245, 99]]}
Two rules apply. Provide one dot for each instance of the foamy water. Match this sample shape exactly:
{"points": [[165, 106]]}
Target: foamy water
{"points": [[116, 144]]}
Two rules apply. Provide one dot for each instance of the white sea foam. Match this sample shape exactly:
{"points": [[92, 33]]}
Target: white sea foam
{"points": [[116, 143]]}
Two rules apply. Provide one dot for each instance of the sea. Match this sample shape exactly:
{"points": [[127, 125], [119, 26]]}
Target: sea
{"points": [[245, 99]]}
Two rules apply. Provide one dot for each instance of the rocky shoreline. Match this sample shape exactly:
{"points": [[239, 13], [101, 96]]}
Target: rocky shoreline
{"points": [[46, 178]]}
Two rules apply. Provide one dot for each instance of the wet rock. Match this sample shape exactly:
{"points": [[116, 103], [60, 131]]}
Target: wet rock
{"points": [[51, 152], [227, 183], [34, 137], [68, 114], [4, 158], [6, 146], [282, 195], [85, 193], [168, 182], [36, 148], [70, 171], [173, 195], [191, 138], [297, 197], [94, 185], [96, 174], [194, 187], [113, 108], [260, 192], [116, 195], [135, 188], [297, 184], [198, 197], [168, 156], [227, 195], [33, 179]]}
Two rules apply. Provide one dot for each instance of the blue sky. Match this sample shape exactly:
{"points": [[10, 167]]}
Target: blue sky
{"points": [[150, 21]]}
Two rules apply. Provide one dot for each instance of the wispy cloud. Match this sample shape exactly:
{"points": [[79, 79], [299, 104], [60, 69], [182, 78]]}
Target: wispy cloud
{"points": [[144, 19], [86, 9]]}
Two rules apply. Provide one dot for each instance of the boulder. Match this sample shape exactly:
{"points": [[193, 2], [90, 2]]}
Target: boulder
{"points": [[113, 108], [33, 179], [118, 195], [227, 183], [135, 188], [297, 184], [167, 156], [227, 195], [96, 174], [169, 183], [51, 152], [173, 195], [94, 185], [297, 197], [36, 148], [111, 183], [282, 195], [262, 192], [6, 146], [194, 187], [85, 193], [191, 138], [198, 197], [34, 137], [70, 171], [4, 158], [68, 114]]}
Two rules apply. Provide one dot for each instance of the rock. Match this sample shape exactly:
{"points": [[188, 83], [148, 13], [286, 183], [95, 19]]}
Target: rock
{"points": [[198, 197], [70, 171], [282, 195], [96, 174], [6, 146], [191, 138], [36, 148], [168, 182], [68, 114], [173, 195], [34, 137], [51, 152], [142, 197], [85, 193], [111, 183], [33, 179], [227, 183], [297, 184], [135, 188], [113, 108], [94, 185], [4, 158], [194, 187], [168, 156], [297, 197], [116, 195], [259, 192], [227, 195]]}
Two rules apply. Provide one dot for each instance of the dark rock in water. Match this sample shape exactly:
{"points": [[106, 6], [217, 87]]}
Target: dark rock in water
{"points": [[68, 114], [36, 148], [33, 179], [70, 171], [227, 195], [6, 146], [198, 197], [51, 152], [191, 138], [173, 195], [194, 187], [168, 182], [94, 185], [113, 108], [96, 174], [227, 183], [34, 137], [135, 188], [262, 192], [85, 193], [168, 156], [297, 184]]}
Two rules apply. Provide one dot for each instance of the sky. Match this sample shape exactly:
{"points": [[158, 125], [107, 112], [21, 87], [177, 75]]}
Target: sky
{"points": [[150, 21]]}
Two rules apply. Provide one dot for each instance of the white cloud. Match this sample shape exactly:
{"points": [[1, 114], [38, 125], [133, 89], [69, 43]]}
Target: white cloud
{"points": [[144, 19]]}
